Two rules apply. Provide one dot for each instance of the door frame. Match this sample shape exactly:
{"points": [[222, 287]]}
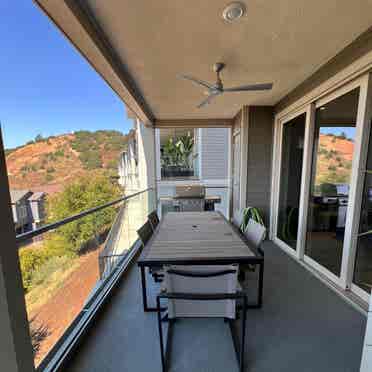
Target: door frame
{"points": [[355, 188], [276, 172]]}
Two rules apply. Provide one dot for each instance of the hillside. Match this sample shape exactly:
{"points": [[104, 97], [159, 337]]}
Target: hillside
{"points": [[50, 163], [335, 154]]}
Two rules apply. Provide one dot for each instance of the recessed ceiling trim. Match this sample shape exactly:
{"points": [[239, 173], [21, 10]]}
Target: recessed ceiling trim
{"points": [[194, 123]]}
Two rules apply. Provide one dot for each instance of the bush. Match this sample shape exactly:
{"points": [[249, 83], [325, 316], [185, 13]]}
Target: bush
{"points": [[30, 261], [332, 168], [59, 153], [91, 159], [49, 177]]}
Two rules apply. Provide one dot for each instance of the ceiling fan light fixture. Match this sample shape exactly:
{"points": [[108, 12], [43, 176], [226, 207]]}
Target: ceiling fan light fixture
{"points": [[233, 11]]}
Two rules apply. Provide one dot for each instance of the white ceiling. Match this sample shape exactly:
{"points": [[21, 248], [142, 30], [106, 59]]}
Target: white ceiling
{"points": [[279, 41]]}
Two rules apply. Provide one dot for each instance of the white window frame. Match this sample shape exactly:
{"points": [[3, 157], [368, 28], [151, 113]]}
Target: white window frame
{"points": [[363, 82]]}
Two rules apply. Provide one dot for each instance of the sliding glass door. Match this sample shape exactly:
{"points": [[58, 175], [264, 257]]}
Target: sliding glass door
{"points": [[332, 159], [362, 277], [293, 134]]}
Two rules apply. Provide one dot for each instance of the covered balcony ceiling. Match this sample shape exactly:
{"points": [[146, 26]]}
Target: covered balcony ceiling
{"points": [[283, 42]]}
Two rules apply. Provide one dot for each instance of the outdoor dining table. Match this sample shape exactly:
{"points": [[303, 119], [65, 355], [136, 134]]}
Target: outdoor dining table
{"points": [[198, 238]]}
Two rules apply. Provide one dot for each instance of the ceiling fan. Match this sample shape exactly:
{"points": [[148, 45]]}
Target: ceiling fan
{"points": [[216, 89]]}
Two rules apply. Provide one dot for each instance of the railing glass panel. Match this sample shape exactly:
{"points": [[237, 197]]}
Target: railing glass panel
{"points": [[66, 267]]}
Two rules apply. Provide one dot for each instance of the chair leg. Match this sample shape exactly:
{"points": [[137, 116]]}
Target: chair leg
{"points": [[158, 309], [242, 346]]}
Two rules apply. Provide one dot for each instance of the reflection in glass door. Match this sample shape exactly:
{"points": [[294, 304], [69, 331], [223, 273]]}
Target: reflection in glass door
{"points": [[363, 261], [334, 135], [290, 179]]}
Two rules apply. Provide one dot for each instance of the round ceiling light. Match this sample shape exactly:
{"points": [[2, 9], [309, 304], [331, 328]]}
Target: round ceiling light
{"points": [[233, 11]]}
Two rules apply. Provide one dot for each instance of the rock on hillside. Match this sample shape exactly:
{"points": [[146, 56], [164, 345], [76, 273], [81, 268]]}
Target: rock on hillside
{"points": [[49, 164]]}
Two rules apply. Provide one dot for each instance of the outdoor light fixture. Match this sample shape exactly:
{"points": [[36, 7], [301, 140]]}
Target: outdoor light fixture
{"points": [[233, 11]]}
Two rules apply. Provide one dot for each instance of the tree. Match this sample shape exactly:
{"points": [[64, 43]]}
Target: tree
{"points": [[39, 138], [77, 197]]}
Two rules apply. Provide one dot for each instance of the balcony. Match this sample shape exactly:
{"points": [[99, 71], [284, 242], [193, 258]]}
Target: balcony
{"points": [[303, 326]]}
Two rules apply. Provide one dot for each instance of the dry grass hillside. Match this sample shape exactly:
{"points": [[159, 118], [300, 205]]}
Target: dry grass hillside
{"points": [[334, 160], [49, 164]]}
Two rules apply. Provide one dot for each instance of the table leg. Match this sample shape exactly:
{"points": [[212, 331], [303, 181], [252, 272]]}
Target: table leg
{"points": [[260, 285], [144, 291], [146, 308], [258, 305]]}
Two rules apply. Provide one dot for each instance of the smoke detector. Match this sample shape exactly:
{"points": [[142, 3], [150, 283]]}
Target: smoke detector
{"points": [[233, 11]]}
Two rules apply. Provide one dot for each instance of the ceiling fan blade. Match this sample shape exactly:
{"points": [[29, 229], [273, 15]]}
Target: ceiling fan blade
{"points": [[196, 81], [208, 100], [250, 87]]}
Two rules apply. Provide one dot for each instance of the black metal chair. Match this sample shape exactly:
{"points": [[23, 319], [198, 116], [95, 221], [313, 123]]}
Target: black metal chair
{"points": [[154, 219], [222, 295], [145, 232]]}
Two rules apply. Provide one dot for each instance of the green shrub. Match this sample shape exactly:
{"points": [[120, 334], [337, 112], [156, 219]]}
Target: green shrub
{"points": [[49, 177], [332, 168], [30, 261], [60, 153], [91, 159]]}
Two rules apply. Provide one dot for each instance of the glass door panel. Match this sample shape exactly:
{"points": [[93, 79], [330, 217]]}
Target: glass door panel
{"points": [[333, 149], [363, 260], [290, 179]]}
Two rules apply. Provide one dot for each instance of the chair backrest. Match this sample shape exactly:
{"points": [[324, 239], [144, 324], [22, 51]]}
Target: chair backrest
{"points": [[145, 233], [238, 218], [154, 219], [255, 233], [192, 205], [201, 280]]}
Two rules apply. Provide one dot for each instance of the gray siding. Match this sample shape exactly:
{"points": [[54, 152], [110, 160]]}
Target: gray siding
{"points": [[214, 152], [260, 141]]}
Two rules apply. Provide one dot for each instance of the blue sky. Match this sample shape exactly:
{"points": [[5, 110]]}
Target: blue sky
{"points": [[350, 131], [46, 86]]}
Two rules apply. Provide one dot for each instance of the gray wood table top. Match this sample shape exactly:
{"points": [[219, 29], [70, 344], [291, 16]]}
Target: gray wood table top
{"points": [[197, 237]]}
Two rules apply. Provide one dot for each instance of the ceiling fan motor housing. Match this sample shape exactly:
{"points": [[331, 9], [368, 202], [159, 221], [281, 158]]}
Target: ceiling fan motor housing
{"points": [[217, 67]]}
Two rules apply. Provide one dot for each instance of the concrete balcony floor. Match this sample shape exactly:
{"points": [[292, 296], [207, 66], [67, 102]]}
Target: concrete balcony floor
{"points": [[303, 327]]}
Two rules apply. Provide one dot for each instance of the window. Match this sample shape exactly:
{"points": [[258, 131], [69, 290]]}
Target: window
{"points": [[179, 153], [290, 179]]}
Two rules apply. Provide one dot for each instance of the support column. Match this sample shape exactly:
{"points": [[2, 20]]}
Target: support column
{"points": [[15, 343]]}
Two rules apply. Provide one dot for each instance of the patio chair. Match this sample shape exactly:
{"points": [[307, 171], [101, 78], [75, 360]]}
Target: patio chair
{"points": [[238, 220], [255, 234], [156, 271], [202, 291], [145, 232], [154, 219]]}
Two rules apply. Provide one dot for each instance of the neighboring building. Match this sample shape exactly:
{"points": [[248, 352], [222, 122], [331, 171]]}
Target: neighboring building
{"points": [[36, 208], [128, 164], [28, 209], [19, 200]]}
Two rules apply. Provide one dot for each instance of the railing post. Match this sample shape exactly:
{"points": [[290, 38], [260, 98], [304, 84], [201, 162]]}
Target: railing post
{"points": [[15, 342]]}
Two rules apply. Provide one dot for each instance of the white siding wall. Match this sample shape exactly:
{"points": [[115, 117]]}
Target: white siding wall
{"points": [[214, 153]]}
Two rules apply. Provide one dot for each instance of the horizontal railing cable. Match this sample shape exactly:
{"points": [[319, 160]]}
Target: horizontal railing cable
{"points": [[43, 229]]}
